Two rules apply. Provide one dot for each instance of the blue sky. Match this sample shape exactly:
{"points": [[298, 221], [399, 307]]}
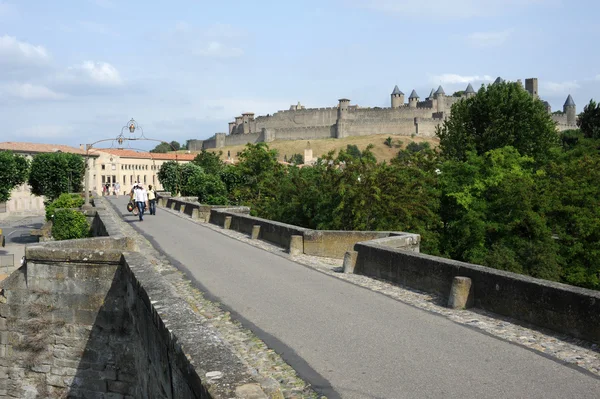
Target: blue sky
{"points": [[74, 72]]}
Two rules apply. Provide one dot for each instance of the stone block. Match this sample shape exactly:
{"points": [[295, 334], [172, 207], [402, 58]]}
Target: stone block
{"points": [[118, 387], [350, 261], [41, 368], [227, 223], [255, 232], [461, 293], [296, 246], [250, 391], [195, 213], [63, 371]]}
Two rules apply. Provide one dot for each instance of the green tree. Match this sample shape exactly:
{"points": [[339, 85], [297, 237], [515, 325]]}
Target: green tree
{"points": [[571, 186], [64, 201], [188, 172], [169, 176], [13, 172], [53, 174], [209, 188], [589, 120], [165, 147], [353, 151], [297, 159], [210, 162], [69, 224], [493, 214], [500, 115]]}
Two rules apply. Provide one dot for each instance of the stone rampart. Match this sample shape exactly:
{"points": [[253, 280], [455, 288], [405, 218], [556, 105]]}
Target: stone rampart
{"points": [[299, 118], [305, 133], [559, 307], [243, 139], [389, 114], [427, 127], [368, 127]]}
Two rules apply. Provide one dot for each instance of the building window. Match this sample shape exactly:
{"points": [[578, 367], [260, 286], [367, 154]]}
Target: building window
{"points": [[103, 166]]}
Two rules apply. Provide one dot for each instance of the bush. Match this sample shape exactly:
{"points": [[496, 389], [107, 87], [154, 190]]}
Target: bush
{"points": [[64, 201], [69, 224]]}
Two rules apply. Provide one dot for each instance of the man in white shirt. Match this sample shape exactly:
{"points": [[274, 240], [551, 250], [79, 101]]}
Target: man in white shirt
{"points": [[141, 200]]}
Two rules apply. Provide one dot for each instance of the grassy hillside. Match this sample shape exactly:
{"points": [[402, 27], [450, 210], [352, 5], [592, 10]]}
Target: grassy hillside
{"points": [[321, 147]]}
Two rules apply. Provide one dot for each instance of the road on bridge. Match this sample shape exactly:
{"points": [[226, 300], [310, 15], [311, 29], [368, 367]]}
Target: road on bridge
{"points": [[351, 342]]}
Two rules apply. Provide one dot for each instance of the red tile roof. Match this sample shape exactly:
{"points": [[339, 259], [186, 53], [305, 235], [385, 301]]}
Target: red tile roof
{"points": [[145, 155], [39, 148]]}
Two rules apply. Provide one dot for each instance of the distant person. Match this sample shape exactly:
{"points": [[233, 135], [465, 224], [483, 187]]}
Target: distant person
{"points": [[152, 199], [141, 200], [117, 189]]}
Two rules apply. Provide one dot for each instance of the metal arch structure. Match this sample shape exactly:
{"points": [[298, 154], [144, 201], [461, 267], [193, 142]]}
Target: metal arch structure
{"points": [[132, 126]]}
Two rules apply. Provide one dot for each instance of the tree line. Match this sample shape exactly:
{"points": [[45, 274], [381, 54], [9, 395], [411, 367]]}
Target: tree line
{"points": [[503, 189]]}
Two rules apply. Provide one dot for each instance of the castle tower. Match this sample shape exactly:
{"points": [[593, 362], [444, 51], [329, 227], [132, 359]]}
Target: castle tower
{"points": [[431, 93], [498, 80], [341, 129], [439, 97], [397, 98], [570, 109], [343, 108], [231, 127], [469, 91], [413, 99], [531, 85]]}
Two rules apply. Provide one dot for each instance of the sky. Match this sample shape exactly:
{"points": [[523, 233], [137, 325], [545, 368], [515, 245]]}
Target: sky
{"points": [[76, 71]]}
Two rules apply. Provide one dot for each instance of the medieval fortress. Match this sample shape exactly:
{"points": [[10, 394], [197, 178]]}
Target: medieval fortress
{"points": [[415, 118]]}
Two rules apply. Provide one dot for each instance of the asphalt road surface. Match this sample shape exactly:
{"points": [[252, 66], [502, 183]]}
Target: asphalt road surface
{"points": [[351, 342]]}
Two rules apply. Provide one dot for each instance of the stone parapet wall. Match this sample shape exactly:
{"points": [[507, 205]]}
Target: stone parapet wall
{"points": [[85, 318], [559, 307]]}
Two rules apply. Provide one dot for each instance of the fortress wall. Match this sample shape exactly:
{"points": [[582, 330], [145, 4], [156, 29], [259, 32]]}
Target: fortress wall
{"points": [[389, 113], [425, 104], [305, 133], [306, 117], [370, 127], [560, 119], [242, 139], [209, 143], [426, 127]]}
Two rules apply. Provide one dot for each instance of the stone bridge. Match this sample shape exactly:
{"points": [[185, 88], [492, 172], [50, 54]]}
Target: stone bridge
{"points": [[201, 302]]}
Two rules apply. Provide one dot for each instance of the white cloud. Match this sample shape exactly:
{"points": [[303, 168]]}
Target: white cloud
{"points": [[488, 39], [451, 9], [15, 52], [451, 78], [28, 91], [101, 73], [45, 132], [559, 87], [597, 77], [218, 49]]}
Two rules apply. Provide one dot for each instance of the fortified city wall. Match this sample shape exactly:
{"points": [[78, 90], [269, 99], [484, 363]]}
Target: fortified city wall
{"points": [[416, 117]]}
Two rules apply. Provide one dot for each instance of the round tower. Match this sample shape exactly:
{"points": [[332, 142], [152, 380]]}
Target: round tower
{"points": [[469, 91], [397, 98], [439, 97], [413, 99], [343, 108], [570, 109]]}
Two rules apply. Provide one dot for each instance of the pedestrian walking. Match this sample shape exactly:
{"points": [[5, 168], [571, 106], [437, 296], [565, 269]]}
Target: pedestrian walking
{"points": [[117, 189], [141, 200], [152, 199]]}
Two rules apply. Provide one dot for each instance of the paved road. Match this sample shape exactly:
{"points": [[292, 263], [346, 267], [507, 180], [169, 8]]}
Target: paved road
{"points": [[351, 342]]}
